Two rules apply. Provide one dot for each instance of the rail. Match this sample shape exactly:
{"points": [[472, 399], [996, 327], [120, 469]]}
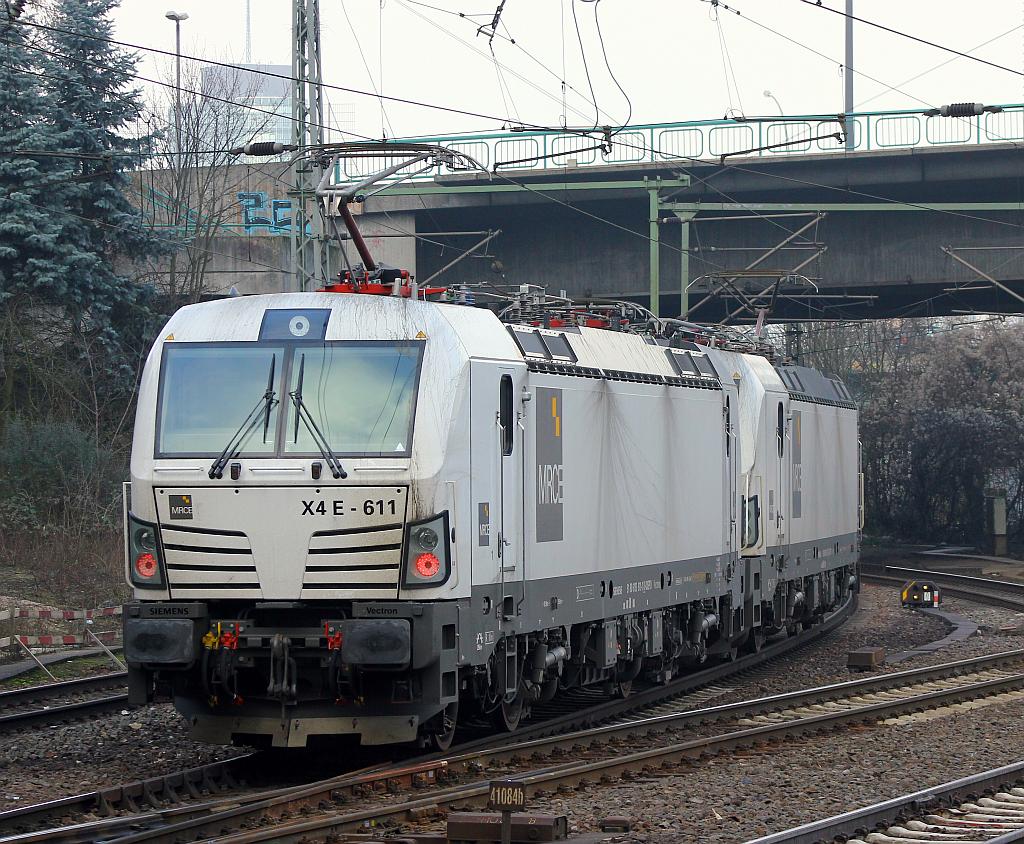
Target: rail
{"points": [[850, 825]]}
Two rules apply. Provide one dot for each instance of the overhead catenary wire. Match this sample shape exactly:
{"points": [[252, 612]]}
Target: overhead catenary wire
{"points": [[831, 60], [727, 68], [682, 157], [158, 82], [564, 84], [817, 4], [385, 122], [607, 64], [470, 46], [586, 67], [270, 74], [917, 76]]}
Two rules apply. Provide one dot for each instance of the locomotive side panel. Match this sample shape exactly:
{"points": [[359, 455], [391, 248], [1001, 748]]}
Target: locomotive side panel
{"points": [[641, 476], [824, 467]]}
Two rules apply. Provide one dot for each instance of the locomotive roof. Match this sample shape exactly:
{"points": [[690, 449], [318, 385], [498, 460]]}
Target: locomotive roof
{"points": [[478, 333]]}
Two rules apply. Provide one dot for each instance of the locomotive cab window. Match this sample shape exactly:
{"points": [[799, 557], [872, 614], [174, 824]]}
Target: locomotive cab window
{"points": [[682, 362], [361, 394], [558, 347], [505, 415], [530, 343], [205, 391], [705, 366]]}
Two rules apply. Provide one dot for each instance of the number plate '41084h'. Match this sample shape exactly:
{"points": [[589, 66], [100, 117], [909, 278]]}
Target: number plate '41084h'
{"points": [[506, 796]]}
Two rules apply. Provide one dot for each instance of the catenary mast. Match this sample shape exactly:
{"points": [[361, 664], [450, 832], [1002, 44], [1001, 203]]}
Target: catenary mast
{"points": [[309, 254]]}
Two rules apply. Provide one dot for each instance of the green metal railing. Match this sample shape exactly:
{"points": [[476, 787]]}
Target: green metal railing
{"points": [[707, 140]]}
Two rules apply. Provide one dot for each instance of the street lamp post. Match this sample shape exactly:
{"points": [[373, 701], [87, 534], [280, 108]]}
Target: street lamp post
{"points": [[177, 159], [177, 17], [769, 95], [785, 126]]}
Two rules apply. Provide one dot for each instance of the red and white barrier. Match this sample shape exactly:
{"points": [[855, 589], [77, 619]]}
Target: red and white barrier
{"points": [[55, 614], [58, 641]]}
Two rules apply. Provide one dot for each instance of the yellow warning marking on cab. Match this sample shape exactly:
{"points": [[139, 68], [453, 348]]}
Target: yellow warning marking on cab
{"points": [[420, 336], [555, 416], [169, 337]]}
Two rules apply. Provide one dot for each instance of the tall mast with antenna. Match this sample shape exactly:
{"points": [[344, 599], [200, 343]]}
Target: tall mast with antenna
{"points": [[248, 31], [310, 264]]}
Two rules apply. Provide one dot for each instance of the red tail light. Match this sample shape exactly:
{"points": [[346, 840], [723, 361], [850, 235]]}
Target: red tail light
{"points": [[427, 565], [145, 565]]}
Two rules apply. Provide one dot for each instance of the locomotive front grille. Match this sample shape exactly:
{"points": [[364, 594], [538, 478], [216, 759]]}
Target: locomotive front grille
{"points": [[202, 561], [354, 563]]}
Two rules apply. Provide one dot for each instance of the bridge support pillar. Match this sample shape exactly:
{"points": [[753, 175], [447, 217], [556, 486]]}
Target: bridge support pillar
{"points": [[684, 261]]}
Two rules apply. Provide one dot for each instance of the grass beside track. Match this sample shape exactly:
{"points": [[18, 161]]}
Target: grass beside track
{"points": [[71, 670]]}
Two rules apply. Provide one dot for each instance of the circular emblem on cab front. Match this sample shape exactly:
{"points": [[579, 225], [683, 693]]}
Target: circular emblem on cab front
{"points": [[299, 326]]}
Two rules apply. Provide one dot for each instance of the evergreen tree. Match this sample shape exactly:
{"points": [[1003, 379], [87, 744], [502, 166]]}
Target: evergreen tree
{"points": [[95, 102], [34, 257]]}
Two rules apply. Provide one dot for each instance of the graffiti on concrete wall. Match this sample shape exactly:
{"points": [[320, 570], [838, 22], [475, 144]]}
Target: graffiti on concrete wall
{"points": [[260, 212]]}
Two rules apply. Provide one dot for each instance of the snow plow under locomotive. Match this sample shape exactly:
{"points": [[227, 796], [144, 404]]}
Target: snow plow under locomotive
{"points": [[430, 509]]}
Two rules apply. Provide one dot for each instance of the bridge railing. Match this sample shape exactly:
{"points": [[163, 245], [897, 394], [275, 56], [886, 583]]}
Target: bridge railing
{"points": [[707, 140]]}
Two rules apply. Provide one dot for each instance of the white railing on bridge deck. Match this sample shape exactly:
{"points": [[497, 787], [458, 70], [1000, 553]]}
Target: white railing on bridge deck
{"points": [[708, 140]]}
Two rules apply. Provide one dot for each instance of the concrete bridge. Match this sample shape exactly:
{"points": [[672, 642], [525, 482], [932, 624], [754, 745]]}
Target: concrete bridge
{"points": [[718, 220]]}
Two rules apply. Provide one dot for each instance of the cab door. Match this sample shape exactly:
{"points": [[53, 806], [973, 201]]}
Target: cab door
{"points": [[511, 429], [497, 447]]}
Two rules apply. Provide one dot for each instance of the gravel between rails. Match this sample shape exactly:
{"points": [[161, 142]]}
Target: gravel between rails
{"points": [[879, 622], [740, 796], [65, 759], [71, 758]]}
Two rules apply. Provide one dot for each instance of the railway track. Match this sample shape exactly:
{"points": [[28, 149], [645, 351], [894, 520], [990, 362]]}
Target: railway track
{"points": [[72, 699], [986, 807], [982, 590], [166, 794], [631, 746], [158, 803]]}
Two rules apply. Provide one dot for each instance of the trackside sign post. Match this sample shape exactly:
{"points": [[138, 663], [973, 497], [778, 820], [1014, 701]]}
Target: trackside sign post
{"points": [[506, 796]]}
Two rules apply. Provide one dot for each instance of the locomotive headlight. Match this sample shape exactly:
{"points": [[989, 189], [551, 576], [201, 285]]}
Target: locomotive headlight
{"points": [[426, 538], [145, 562], [145, 538], [427, 553]]}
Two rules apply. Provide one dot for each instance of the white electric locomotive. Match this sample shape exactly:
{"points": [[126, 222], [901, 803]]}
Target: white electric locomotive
{"points": [[374, 515]]}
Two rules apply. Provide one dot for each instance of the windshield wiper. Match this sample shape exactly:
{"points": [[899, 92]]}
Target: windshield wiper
{"points": [[302, 412], [238, 439]]}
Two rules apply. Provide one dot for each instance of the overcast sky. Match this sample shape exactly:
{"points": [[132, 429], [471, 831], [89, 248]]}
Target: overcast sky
{"points": [[670, 56]]}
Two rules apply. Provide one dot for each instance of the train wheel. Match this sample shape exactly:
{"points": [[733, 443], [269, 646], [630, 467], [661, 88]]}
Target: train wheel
{"points": [[442, 738], [755, 642], [623, 689], [507, 715]]}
